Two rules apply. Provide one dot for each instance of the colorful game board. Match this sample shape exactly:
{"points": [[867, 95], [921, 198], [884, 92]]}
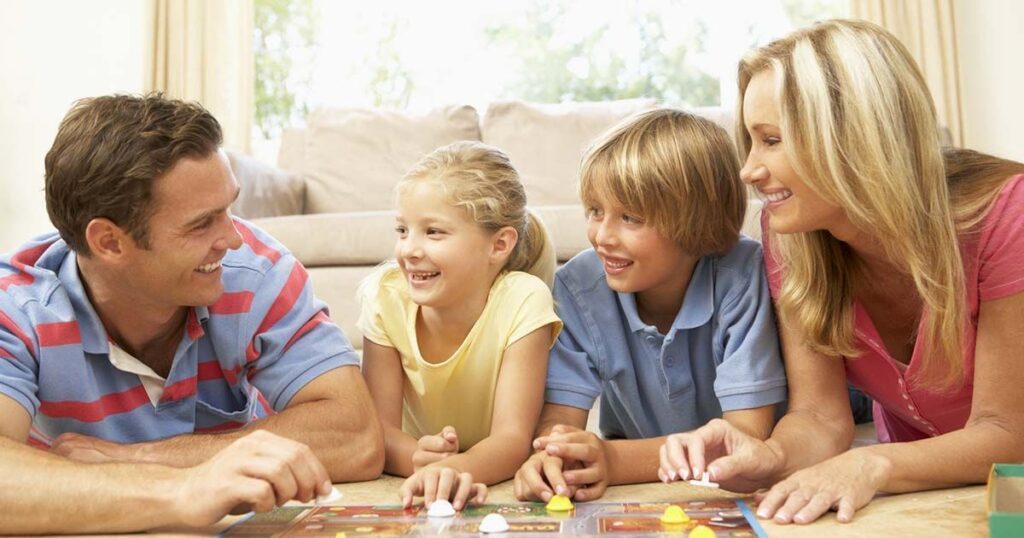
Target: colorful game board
{"points": [[729, 518]]}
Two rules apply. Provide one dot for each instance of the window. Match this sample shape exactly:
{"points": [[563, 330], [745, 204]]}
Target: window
{"points": [[416, 55]]}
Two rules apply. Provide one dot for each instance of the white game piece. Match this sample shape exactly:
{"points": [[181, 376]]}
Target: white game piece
{"points": [[331, 497], [441, 508], [704, 481], [493, 523]]}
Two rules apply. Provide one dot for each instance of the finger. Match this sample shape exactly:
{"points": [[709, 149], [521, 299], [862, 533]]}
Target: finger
{"points": [[772, 501], [445, 480], [433, 443], [479, 493], [552, 468], [309, 473], [796, 501], [573, 451], [818, 505], [675, 455], [666, 471], [541, 442], [662, 476], [846, 509], [409, 489], [584, 476], [429, 488], [258, 494], [695, 465], [275, 472], [594, 491], [464, 488]]}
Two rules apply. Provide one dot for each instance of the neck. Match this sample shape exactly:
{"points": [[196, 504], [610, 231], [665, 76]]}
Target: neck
{"points": [[130, 319], [867, 250], [660, 304], [453, 322]]}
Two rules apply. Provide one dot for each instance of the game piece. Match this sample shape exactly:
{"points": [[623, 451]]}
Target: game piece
{"points": [[704, 481], [700, 531], [331, 497], [674, 515], [339, 535], [441, 508], [493, 523], [559, 503]]}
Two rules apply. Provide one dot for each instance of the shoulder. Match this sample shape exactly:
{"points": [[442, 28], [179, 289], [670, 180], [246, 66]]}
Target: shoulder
{"points": [[743, 261], [1009, 201], [30, 274], [583, 273]]}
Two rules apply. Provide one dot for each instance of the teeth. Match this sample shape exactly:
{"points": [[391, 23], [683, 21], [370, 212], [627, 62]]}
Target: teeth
{"points": [[208, 268], [617, 265], [778, 196], [420, 276]]}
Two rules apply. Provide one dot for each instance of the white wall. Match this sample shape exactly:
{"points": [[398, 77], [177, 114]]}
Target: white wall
{"points": [[53, 52], [992, 75]]}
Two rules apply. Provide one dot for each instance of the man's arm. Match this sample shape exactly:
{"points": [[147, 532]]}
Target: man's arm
{"points": [[45, 493], [332, 414]]}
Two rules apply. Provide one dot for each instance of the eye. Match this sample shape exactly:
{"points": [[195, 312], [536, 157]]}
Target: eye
{"points": [[204, 224], [771, 140], [594, 213], [434, 231], [632, 219], [400, 230]]}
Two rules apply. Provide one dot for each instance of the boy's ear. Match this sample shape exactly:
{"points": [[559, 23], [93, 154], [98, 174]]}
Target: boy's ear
{"points": [[106, 240], [502, 243]]}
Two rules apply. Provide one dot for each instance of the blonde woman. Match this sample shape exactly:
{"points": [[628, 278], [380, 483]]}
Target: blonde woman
{"points": [[893, 266]]}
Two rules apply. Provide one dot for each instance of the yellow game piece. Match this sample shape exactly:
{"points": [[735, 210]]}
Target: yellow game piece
{"points": [[674, 515], [700, 531], [559, 503], [339, 535]]}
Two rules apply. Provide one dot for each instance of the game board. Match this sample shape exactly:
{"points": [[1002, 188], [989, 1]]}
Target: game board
{"points": [[729, 518]]}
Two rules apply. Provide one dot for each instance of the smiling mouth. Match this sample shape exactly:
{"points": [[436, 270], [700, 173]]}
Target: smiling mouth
{"points": [[423, 276], [777, 196], [208, 268]]}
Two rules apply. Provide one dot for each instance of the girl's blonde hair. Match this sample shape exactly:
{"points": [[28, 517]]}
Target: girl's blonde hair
{"points": [[676, 170], [481, 180], [861, 132]]}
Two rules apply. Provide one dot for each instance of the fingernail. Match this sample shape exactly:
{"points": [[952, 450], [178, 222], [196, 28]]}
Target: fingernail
{"points": [[671, 476], [536, 443], [560, 490], [763, 514], [712, 474], [326, 487], [546, 496], [684, 473]]}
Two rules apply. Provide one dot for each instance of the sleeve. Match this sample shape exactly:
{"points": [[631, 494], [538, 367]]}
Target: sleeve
{"points": [[537, 309], [19, 369], [751, 372], [371, 304], [1001, 264], [294, 339], [573, 378]]}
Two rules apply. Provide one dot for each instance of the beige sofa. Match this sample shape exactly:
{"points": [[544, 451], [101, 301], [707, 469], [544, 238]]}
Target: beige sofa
{"points": [[330, 198]]}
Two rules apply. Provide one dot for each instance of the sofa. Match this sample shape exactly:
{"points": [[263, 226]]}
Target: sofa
{"points": [[329, 199]]}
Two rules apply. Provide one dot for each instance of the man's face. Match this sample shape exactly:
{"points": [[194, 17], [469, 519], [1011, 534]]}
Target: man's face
{"points": [[190, 231]]}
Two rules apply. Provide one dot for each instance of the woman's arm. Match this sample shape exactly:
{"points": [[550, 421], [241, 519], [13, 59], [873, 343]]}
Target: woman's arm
{"points": [[382, 369], [517, 403]]}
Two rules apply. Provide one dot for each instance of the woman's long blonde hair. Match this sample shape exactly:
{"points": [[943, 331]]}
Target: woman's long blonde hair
{"points": [[861, 132], [481, 180]]}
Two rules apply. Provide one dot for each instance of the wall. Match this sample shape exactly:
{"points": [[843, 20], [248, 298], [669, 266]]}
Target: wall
{"points": [[992, 74], [54, 52]]}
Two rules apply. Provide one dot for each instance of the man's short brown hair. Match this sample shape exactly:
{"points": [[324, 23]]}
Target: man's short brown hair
{"points": [[677, 171], [108, 152]]}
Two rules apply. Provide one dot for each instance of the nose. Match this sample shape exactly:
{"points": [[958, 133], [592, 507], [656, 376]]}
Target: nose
{"points": [[753, 172], [604, 233], [230, 239], [408, 248]]}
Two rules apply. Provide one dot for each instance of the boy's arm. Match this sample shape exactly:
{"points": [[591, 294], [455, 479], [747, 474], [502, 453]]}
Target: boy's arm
{"points": [[517, 403], [382, 369]]}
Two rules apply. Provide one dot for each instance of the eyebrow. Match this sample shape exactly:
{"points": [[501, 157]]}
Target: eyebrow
{"points": [[207, 214]]}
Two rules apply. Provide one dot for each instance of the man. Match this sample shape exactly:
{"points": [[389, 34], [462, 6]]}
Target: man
{"points": [[170, 360]]}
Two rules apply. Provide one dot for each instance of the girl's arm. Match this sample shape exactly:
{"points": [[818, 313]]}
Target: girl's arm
{"points": [[382, 369], [517, 403]]}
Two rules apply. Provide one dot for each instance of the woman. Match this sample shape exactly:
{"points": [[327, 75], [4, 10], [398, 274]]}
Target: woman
{"points": [[893, 266]]}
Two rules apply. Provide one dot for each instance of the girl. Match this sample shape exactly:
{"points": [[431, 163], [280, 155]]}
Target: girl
{"points": [[457, 332]]}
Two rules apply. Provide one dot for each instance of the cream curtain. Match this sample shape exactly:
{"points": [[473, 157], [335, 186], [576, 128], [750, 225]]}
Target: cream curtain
{"points": [[203, 51], [928, 29]]}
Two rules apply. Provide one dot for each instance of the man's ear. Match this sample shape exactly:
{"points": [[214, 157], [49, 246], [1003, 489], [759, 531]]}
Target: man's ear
{"points": [[502, 243], [107, 240]]}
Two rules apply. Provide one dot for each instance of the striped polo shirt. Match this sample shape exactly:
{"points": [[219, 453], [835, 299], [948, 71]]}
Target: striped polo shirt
{"points": [[240, 359]]}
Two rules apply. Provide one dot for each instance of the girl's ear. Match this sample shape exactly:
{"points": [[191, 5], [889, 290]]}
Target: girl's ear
{"points": [[502, 243]]}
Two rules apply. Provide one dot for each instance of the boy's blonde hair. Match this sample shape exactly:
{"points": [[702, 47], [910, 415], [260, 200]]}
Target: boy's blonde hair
{"points": [[481, 180], [861, 131], [677, 171]]}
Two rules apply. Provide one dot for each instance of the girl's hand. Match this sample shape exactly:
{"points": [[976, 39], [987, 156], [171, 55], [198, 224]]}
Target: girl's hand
{"points": [[540, 477], [734, 459], [845, 482], [440, 482], [590, 479], [434, 448]]}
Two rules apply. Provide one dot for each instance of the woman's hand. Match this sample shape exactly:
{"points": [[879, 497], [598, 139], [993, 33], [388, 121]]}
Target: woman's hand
{"points": [[845, 482], [732, 458]]}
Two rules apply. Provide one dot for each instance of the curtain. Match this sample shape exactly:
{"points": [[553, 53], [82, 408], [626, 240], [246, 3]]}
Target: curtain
{"points": [[203, 51], [928, 29]]}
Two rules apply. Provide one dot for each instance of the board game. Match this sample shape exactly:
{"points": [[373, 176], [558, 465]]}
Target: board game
{"points": [[728, 518]]}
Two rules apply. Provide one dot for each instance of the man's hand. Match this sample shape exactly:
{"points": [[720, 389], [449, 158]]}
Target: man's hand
{"points": [[88, 449], [257, 472], [439, 482], [434, 448], [589, 476]]}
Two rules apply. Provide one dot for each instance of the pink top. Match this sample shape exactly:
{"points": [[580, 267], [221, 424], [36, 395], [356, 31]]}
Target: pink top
{"points": [[994, 268]]}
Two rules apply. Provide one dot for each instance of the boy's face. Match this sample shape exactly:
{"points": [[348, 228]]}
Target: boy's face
{"points": [[636, 257]]}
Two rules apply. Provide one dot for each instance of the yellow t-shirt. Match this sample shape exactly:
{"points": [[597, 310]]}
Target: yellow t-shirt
{"points": [[459, 390]]}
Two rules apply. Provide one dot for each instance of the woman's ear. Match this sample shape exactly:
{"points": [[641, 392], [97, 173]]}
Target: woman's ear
{"points": [[503, 242]]}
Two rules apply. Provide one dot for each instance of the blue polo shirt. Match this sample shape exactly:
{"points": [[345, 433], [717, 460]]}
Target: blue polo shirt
{"points": [[242, 358], [721, 353]]}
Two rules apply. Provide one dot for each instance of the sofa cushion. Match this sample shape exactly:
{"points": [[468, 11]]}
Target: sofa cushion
{"points": [[327, 239], [354, 157], [265, 190], [547, 141]]}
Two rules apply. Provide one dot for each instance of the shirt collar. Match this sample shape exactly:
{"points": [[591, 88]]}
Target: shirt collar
{"points": [[698, 303]]}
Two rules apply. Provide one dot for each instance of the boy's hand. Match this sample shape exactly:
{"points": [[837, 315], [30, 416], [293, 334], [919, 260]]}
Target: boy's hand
{"points": [[439, 482], [434, 448], [732, 458], [540, 477], [590, 477]]}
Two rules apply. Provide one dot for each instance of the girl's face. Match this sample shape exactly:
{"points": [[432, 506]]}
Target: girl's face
{"points": [[636, 257], [446, 258], [791, 205]]}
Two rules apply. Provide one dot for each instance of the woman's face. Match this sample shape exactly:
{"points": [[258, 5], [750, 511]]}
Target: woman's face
{"points": [[791, 205]]}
